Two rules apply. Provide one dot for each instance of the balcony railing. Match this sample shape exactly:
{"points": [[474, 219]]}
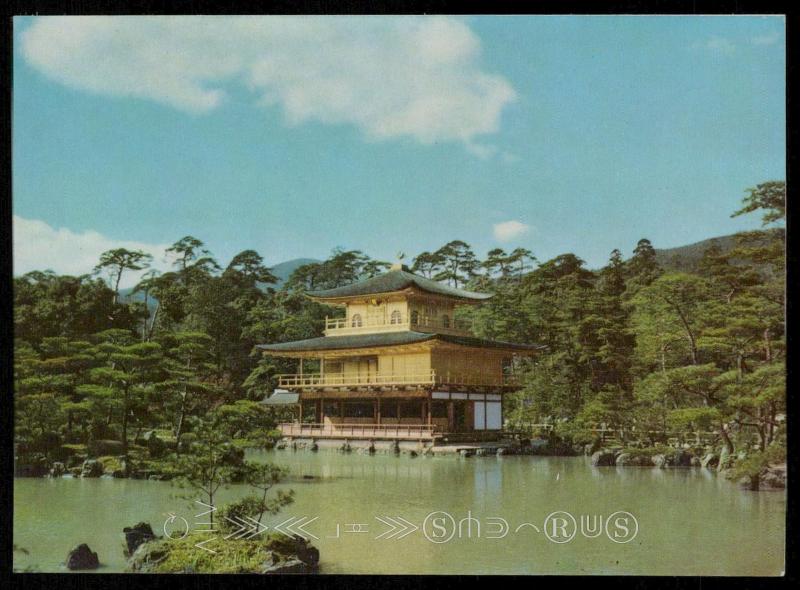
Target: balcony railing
{"points": [[344, 326], [360, 431], [320, 380]]}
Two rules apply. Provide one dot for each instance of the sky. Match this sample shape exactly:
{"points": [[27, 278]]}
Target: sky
{"points": [[295, 135]]}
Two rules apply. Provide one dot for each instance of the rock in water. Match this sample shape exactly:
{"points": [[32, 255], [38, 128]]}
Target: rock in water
{"points": [[58, 469], [659, 460], [92, 468], [710, 461], [681, 458], [774, 477], [35, 465], [82, 558], [136, 535], [147, 556], [603, 459], [306, 553], [631, 460]]}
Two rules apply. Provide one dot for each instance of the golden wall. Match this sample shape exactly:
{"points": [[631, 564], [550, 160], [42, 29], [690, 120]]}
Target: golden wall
{"points": [[482, 365]]}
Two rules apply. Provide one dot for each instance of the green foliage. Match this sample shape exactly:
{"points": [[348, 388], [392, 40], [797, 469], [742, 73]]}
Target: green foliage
{"points": [[204, 470], [769, 198], [117, 261], [756, 462]]}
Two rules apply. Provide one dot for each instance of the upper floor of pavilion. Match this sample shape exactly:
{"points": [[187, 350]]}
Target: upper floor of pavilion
{"points": [[397, 301]]}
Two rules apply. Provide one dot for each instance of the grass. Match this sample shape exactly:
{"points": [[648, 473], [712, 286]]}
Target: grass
{"points": [[110, 463], [231, 557]]}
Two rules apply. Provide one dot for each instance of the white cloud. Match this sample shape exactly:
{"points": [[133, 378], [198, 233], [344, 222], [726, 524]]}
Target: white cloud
{"points": [[38, 246], [390, 77], [508, 230]]}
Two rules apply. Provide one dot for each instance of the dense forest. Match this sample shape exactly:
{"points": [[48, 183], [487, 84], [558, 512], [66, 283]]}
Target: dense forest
{"points": [[630, 346]]}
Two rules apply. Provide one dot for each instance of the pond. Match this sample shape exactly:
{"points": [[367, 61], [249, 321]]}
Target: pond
{"points": [[445, 515]]}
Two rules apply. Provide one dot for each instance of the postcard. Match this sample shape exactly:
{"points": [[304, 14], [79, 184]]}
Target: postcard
{"points": [[399, 295]]}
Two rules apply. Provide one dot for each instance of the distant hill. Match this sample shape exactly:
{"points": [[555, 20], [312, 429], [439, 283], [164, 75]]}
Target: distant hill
{"points": [[284, 270], [687, 258]]}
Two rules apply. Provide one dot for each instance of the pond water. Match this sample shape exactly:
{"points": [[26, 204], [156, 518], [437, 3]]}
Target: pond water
{"points": [[687, 521]]}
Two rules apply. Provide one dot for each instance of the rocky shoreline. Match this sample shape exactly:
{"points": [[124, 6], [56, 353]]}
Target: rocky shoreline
{"points": [[149, 458], [771, 477], [89, 465]]}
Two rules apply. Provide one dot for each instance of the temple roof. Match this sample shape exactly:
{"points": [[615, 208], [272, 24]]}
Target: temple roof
{"points": [[281, 397], [397, 280], [388, 339]]}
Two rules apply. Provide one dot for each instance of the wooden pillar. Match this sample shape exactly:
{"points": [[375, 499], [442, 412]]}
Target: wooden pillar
{"points": [[300, 406], [300, 369], [322, 369], [451, 417], [320, 416], [378, 410], [398, 412], [429, 403]]}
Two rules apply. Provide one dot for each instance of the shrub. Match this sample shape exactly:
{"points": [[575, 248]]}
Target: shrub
{"points": [[752, 465], [156, 447], [250, 506]]}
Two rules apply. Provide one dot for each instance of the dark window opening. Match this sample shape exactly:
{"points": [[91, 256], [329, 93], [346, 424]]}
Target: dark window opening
{"points": [[358, 410], [388, 409], [439, 409], [411, 409]]}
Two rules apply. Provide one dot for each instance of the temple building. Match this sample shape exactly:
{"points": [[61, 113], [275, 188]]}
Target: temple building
{"points": [[398, 365]]}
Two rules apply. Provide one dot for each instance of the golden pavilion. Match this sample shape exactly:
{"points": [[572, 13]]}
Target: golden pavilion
{"points": [[398, 365]]}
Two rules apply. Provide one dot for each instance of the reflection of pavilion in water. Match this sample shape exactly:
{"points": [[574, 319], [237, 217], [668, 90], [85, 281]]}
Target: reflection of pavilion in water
{"points": [[398, 365]]}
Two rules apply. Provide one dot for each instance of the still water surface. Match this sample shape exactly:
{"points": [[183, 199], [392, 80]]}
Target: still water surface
{"points": [[689, 520]]}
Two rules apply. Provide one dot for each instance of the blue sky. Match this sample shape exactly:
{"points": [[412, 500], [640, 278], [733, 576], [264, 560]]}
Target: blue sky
{"points": [[294, 136]]}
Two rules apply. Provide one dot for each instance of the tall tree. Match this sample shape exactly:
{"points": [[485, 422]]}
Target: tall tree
{"points": [[519, 260], [679, 298], [643, 268], [769, 198], [189, 389], [192, 259], [497, 263], [126, 369], [459, 263], [427, 264], [118, 260], [247, 269]]}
